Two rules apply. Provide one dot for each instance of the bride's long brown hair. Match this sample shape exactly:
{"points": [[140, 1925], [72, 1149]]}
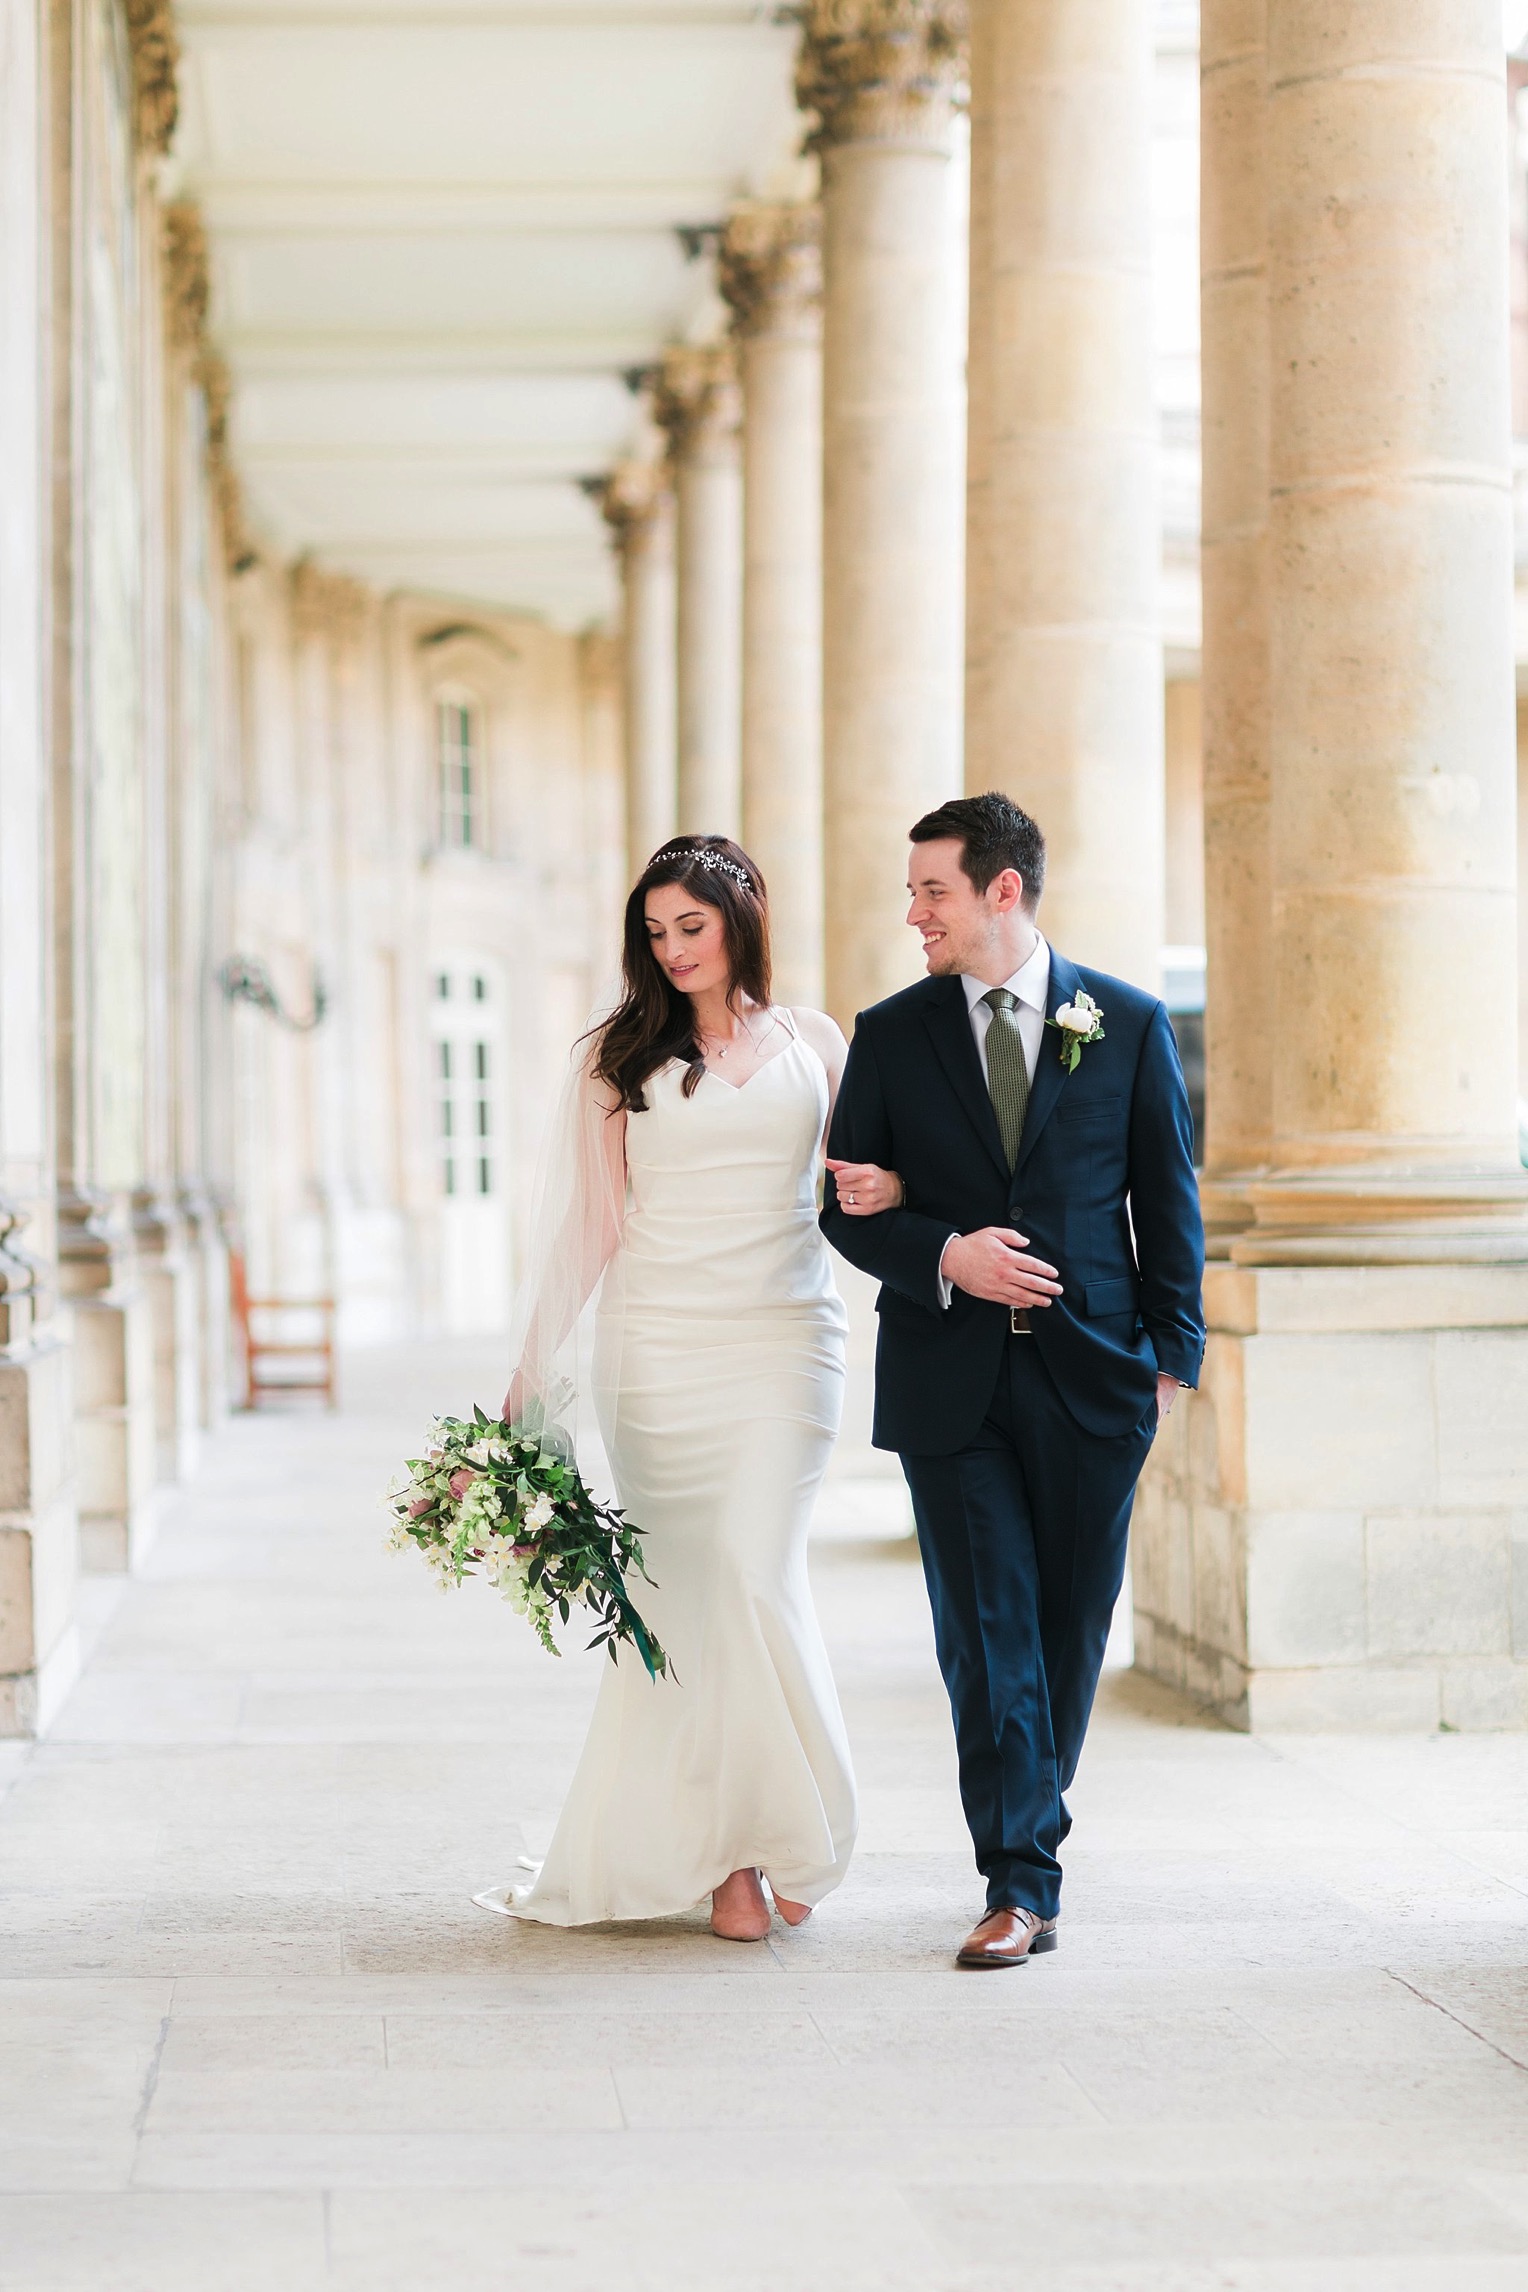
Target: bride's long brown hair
{"points": [[653, 1022]]}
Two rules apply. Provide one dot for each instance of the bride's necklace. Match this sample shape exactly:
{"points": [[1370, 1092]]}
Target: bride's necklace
{"points": [[721, 1049]]}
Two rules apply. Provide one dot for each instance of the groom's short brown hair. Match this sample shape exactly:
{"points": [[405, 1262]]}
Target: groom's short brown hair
{"points": [[993, 834]]}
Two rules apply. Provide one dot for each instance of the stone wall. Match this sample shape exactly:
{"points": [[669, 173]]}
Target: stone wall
{"points": [[1333, 1532]]}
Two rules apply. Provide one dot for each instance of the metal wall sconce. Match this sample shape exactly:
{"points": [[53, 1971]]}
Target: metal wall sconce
{"points": [[244, 979]]}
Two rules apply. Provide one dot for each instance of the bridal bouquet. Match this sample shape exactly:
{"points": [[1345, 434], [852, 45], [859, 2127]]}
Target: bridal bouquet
{"points": [[488, 1499]]}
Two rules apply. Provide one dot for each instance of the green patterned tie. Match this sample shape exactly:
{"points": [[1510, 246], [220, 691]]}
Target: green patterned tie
{"points": [[1007, 1072]]}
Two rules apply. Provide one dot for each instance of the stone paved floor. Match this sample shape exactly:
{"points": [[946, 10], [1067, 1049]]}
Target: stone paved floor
{"points": [[253, 2034]]}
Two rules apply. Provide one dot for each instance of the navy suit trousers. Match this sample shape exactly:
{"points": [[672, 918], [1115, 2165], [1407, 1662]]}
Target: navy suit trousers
{"points": [[1023, 1536]]}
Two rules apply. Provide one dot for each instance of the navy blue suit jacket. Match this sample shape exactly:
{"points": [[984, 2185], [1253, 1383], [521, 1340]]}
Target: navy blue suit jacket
{"points": [[1104, 1187]]}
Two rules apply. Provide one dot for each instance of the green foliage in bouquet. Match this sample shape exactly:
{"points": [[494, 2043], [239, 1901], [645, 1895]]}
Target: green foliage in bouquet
{"points": [[497, 1500]]}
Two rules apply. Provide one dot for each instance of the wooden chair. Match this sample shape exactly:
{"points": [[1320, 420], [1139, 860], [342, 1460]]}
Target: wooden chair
{"points": [[310, 1362]]}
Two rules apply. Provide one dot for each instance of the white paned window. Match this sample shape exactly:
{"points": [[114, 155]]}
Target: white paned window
{"points": [[465, 1083], [469, 1080], [459, 772]]}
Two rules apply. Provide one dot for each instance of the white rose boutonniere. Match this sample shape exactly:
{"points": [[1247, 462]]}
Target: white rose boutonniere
{"points": [[1077, 1023]]}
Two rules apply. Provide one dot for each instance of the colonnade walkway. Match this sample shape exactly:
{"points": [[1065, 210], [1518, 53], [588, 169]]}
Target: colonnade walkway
{"points": [[253, 2034]]}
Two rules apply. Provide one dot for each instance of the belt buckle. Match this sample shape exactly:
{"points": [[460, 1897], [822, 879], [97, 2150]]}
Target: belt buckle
{"points": [[1018, 1321]]}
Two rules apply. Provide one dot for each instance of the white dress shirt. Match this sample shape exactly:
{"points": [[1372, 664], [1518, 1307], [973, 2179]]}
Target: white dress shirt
{"points": [[1031, 984]]}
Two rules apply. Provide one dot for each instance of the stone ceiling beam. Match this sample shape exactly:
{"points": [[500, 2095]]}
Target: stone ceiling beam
{"points": [[371, 356], [563, 458], [265, 210], [278, 16]]}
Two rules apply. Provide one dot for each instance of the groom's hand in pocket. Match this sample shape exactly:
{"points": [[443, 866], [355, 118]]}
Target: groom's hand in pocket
{"points": [[994, 1263]]}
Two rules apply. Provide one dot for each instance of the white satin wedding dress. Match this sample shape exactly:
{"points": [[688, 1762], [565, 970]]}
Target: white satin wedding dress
{"points": [[719, 1372]]}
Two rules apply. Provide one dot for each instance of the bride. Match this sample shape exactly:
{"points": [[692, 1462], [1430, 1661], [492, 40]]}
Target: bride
{"points": [[688, 1155]]}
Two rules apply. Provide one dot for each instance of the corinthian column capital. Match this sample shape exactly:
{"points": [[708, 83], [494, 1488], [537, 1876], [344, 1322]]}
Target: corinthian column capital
{"points": [[156, 54], [630, 496], [769, 268], [696, 398], [330, 606], [881, 71], [185, 274], [217, 392]]}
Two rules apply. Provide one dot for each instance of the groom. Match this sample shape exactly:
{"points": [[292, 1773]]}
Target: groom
{"points": [[1039, 1310]]}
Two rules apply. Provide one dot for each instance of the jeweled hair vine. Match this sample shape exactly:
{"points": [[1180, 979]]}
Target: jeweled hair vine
{"points": [[708, 857]]}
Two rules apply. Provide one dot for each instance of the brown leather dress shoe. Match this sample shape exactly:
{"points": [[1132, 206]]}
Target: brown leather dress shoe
{"points": [[1007, 1938]]}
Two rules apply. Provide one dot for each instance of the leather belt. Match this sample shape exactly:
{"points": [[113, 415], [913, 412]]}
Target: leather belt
{"points": [[1018, 1321]]}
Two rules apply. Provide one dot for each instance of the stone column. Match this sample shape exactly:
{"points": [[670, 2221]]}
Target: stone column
{"points": [[39, 1546], [105, 527], [323, 1250], [1063, 649], [771, 275], [1234, 578], [638, 505], [1332, 1529], [1391, 723], [1522, 930], [163, 1238], [882, 77], [217, 543], [697, 402]]}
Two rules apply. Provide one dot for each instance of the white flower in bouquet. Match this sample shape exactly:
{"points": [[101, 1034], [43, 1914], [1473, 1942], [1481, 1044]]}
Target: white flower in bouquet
{"points": [[480, 1505], [525, 1598], [539, 1514], [499, 1562]]}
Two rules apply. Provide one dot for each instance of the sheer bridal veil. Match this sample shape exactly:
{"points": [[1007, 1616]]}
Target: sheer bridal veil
{"points": [[577, 1215]]}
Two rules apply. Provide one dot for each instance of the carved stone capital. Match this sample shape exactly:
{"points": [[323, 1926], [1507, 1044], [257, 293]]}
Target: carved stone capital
{"points": [[199, 1210], [20, 1279], [696, 398], [239, 551], [217, 389], [156, 53], [881, 71], [94, 1240], [769, 268], [158, 1231], [185, 274], [327, 605], [187, 286], [630, 496]]}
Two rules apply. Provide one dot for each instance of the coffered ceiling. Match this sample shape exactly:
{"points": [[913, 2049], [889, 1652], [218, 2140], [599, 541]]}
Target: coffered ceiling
{"points": [[441, 231]]}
